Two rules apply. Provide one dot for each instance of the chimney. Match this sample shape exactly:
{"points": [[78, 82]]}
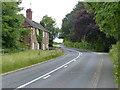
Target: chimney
{"points": [[29, 14]]}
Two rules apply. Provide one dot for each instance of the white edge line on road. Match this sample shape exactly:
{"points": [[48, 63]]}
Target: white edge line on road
{"points": [[49, 72]]}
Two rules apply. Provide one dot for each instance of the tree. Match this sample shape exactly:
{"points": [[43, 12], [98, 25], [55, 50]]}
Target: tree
{"points": [[87, 30], [80, 26], [12, 25], [67, 30], [49, 24], [107, 17]]}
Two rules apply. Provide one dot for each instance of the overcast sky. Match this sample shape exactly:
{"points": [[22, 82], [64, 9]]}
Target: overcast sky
{"points": [[57, 9]]}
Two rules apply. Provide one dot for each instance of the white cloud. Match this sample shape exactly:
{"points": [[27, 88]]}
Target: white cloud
{"points": [[57, 9]]}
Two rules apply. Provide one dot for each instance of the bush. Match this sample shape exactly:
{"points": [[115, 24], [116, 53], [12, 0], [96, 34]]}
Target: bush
{"points": [[79, 45], [114, 54]]}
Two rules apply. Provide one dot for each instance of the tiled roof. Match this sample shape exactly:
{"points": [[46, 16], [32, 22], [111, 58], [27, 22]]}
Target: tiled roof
{"points": [[35, 25]]}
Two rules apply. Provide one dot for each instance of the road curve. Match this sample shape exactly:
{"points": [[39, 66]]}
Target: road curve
{"points": [[77, 69]]}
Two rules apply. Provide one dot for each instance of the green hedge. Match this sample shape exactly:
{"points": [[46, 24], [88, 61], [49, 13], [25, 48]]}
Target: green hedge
{"points": [[94, 46], [80, 45], [115, 56]]}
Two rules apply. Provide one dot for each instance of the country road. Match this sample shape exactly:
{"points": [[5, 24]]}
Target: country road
{"points": [[76, 69]]}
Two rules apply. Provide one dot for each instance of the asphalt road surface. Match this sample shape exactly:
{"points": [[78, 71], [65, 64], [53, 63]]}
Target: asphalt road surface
{"points": [[76, 69]]}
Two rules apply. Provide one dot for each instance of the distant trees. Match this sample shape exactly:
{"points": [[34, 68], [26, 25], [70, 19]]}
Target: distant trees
{"points": [[49, 24]]}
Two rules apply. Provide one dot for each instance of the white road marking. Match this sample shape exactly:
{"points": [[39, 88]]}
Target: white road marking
{"points": [[65, 66], [46, 77], [74, 60], [50, 71]]}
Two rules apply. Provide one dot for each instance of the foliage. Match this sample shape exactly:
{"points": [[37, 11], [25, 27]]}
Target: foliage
{"points": [[86, 29], [108, 20], [67, 23], [0, 24], [79, 45], [11, 25], [39, 38], [26, 58], [57, 43], [24, 32], [82, 27], [115, 56], [106, 16], [49, 24], [67, 30]]}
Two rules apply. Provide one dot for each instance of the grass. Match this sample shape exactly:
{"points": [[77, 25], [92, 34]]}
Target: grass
{"points": [[56, 43], [115, 56], [10, 62]]}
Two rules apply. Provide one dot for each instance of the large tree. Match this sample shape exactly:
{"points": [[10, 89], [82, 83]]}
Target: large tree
{"points": [[87, 30], [12, 25], [67, 23], [106, 16], [50, 24], [80, 25]]}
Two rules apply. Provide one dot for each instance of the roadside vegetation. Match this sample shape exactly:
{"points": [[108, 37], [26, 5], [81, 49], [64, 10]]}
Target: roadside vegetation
{"points": [[89, 25], [57, 43], [50, 24], [18, 60], [84, 45], [94, 26], [15, 49], [115, 56]]}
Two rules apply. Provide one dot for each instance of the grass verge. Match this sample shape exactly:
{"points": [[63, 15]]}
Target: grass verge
{"points": [[10, 62], [115, 57]]}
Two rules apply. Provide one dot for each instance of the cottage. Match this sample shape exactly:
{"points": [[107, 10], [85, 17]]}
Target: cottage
{"points": [[35, 27]]}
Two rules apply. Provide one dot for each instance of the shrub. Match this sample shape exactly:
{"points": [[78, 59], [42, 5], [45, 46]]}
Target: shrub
{"points": [[114, 54]]}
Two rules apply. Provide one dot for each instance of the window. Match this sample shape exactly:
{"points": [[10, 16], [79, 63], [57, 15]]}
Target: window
{"points": [[43, 46], [43, 34], [47, 46], [37, 32], [38, 46], [33, 46]]}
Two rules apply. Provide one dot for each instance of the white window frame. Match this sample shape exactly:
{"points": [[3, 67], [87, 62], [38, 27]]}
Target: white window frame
{"points": [[47, 46], [38, 46], [43, 34], [33, 46], [43, 46]]}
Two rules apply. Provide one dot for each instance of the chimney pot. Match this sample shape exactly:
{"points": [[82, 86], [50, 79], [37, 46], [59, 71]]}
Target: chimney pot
{"points": [[29, 14]]}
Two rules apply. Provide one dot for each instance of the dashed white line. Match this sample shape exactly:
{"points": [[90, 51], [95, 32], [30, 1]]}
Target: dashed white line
{"points": [[47, 74], [46, 77], [65, 66], [74, 60]]}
